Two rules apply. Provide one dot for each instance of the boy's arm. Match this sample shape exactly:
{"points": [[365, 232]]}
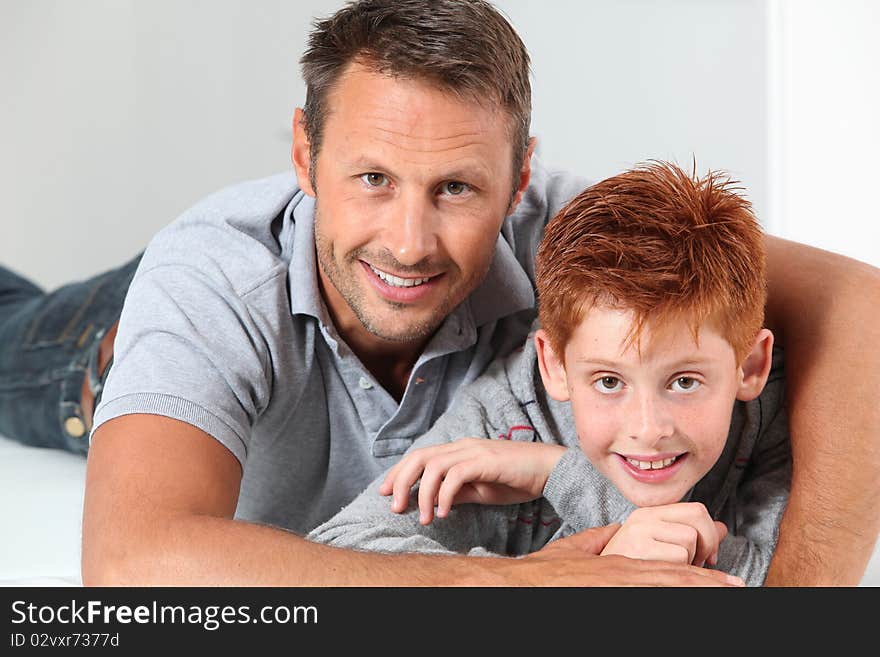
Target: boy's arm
{"points": [[369, 524], [826, 310], [476, 529]]}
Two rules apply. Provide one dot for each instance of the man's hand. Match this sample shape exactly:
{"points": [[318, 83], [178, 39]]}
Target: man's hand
{"points": [[475, 470], [678, 533], [572, 561]]}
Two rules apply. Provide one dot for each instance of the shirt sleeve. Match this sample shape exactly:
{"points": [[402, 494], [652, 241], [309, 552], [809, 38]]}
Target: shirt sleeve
{"points": [[369, 523], [190, 347], [762, 494]]}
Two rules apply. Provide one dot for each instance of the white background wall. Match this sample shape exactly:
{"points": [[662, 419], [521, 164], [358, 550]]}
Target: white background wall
{"points": [[115, 115], [824, 94]]}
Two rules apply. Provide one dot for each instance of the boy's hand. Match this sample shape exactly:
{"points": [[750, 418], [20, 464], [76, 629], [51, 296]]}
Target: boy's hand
{"points": [[681, 533], [476, 470]]}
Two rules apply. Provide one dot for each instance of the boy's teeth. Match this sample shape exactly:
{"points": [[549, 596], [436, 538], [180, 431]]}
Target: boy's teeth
{"points": [[399, 282], [652, 465]]}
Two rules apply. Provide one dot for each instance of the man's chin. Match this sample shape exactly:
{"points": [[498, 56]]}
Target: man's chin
{"points": [[401, 332]]}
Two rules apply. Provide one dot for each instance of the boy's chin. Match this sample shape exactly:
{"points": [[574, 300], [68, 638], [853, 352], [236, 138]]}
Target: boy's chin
{"points": [[642, 495]]}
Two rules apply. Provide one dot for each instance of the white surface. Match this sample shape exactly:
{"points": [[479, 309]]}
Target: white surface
{"points": [[41, 509], [41, 494]]}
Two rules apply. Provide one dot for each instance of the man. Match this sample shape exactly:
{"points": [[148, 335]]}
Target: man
{"points": [[285, 341]]}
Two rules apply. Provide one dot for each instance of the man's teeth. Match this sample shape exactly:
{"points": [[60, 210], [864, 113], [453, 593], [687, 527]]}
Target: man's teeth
{"points": [[399, 282], [651, 465]]}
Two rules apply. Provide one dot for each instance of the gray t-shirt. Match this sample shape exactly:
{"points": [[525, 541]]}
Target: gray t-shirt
{"points": [[224, 328], [747, 488]]}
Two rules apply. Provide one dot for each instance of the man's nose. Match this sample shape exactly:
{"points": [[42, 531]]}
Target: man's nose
{"points": [[649, 420], [411, 235]]}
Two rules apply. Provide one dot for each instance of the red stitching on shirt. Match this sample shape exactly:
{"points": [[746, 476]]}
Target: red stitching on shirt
{"points": [[518, 427], [528, 520]]}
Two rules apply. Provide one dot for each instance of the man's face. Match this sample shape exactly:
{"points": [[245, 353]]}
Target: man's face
{"points": [[412, 187], [655, 423]]}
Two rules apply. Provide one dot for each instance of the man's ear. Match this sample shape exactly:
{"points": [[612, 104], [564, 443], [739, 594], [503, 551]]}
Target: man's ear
{"points": [[756, 366], [552, 367], [525, 174], [301, 153]]}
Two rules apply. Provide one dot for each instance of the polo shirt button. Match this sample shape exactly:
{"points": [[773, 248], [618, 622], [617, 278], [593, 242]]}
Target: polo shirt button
{"points": [[365, 383], [74, 427]]}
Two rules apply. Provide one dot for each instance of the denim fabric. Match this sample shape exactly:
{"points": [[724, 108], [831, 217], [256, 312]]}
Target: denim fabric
{"points": [[46, 342]]}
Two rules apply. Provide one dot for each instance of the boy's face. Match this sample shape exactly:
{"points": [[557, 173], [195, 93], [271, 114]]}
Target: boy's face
{"points": [[653, 423]]}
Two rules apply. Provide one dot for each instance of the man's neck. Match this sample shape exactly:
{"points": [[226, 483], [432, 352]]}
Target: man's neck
{"points": [[390, 363]]}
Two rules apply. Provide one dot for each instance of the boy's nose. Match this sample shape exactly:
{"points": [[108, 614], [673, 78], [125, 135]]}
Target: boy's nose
{"points": [[411, 236], [649, 421]]}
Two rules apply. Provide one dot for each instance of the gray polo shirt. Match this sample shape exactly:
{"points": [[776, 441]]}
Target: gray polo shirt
{"points": [[224, 328]]}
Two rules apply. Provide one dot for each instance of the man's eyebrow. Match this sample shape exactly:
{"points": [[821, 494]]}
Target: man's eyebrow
{"points": [[365, 164], [476, 173]]}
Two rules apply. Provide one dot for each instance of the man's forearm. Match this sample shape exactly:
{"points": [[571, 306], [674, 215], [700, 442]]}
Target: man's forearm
{"points": [[208, 551], [825, 308]]}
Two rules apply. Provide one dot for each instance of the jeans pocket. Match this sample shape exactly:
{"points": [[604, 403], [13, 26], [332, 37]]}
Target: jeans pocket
{"points": [[75, 312], [63, 316]]}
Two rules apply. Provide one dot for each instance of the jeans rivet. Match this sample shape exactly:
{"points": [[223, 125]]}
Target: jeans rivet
{"points": [[75, 427]]}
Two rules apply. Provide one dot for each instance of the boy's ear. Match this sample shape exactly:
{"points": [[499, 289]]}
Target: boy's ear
{"points": [[301, 153], [756, 366], [525, 174], [552, 368]]}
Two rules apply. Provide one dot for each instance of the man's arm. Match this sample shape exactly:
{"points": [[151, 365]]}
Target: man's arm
{"points": [[159, 504], [824, 308]]}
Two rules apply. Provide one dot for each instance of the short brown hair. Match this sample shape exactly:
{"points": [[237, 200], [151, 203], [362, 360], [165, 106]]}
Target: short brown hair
{"points": [[661, 243], [465, 47]]}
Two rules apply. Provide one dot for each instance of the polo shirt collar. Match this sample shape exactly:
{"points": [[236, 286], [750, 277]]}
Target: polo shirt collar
{"points": [[305, 295], [505, 290]]}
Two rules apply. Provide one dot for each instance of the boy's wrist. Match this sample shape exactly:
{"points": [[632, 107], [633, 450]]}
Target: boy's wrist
{"points": [[565, 479]]}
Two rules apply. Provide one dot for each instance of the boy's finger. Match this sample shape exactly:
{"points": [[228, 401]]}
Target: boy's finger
{"points": [[695, 515]]}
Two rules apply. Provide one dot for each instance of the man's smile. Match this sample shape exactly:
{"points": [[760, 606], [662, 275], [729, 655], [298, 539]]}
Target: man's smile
{"points": [[399, 290], [398, 281]]}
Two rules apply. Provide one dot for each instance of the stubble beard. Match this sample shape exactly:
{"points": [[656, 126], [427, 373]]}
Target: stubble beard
{"points": [[346, 283]]}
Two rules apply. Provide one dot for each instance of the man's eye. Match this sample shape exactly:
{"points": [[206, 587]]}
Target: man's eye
{"points": [[608, 384], [685, 384], [455, 188], [374, 179]]}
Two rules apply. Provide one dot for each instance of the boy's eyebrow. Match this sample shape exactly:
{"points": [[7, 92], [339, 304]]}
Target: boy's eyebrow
{"points": [[684, 363], [588, 360]]}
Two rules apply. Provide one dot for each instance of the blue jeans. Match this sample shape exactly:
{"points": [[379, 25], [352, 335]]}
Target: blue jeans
{"points": [[46, 344]]}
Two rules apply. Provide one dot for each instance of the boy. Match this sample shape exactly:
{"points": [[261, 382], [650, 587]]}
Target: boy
{"points": [[655, 386]]}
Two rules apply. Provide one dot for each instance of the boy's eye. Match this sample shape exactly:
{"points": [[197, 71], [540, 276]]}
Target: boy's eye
{"points": [[374, 179], [455, 188], [685, 384], [608, 384]]}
